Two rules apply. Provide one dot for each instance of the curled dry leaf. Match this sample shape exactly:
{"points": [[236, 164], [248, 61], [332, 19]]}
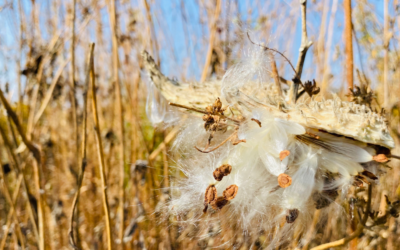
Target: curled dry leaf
{"points": [[283, 154], [284, 180], [219, 203], [292, 215], [222, 171], [380, 158], [230, 192]]}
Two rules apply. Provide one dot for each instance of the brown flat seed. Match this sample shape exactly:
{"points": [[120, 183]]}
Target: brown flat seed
{"points": [[380, 158], [230, 192], [219, 203], [222, 171], [292, 216], [284, 154], [210, 195], [284, 180]]}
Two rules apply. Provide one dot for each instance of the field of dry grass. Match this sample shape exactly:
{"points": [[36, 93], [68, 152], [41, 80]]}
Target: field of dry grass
{"points": [[74, 130]]}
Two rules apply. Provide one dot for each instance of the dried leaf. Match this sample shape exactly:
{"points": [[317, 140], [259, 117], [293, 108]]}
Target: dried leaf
{"points": [[230, 192], [284, 180]]}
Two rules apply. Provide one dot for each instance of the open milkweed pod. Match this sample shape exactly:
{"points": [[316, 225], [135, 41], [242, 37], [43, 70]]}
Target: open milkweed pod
{"points": [[313, 148]]}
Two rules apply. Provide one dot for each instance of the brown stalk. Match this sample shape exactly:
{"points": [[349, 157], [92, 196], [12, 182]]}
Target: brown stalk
{"points": [[200, 111], [11, 212], [211, 41], [275, 74], [168, 138], [49, 92], [19, 171], [11, 201], [118, 94], [386, 40], [305, 45], [37, 167], [73, 241], [101, 156], [348, 34], [356, 233]]}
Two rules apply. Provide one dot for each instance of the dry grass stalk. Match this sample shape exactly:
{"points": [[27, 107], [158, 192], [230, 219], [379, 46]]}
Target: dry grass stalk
{"points": [[100, 153], [83, 156]]}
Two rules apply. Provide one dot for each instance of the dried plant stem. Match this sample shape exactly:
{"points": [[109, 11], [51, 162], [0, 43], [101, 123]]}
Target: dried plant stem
{"points": [[12, 212], [213, 32], [168, 138], [348, 34], [305, 45], [19, 171], [49, 93], [200, 111], [37, 168], [275, 75], [386, 40], [118, 94], [356, 233], [72, 239], [101, 156]]}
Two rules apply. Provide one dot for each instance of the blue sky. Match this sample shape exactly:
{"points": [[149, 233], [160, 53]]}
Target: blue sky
{"points": [[183, 39]]}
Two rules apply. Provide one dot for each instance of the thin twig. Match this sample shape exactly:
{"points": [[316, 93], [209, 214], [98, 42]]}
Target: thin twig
{"points": [[356, 233], [101, 157], [274, 50], [200, 111], [305, 45], [73, 242]]}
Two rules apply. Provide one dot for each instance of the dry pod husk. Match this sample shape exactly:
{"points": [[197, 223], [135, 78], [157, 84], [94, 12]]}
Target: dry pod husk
{"points": [[230, 192], [222, 171], [284, 180]]}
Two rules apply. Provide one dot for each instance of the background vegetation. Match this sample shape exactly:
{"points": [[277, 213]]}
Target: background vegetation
{"points": [[45, 71]]}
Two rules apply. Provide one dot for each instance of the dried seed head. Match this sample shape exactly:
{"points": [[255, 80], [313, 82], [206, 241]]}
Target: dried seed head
{"points": [[210, 195], [209, 109], [283, 154], [230, 192], [292, 216], [284, 180], [380, 158], [217, 105], [219, 203], [222, 171]]}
